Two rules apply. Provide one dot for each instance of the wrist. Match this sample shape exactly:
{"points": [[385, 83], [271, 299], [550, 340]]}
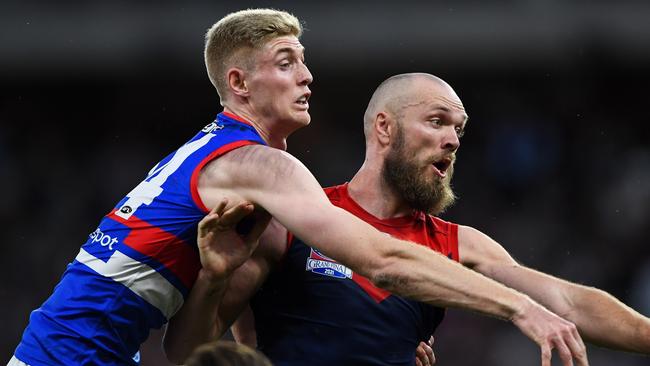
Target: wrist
{"points": [[520, 308], [212, 279]]}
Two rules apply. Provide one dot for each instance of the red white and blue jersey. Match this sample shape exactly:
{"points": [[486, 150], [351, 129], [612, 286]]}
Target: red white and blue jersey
{"points": [[137, 267], [315, 311]]}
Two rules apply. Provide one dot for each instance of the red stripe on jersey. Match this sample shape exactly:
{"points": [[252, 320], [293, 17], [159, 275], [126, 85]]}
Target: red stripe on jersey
{"points": [[289, 240], [375, 292], [236, 118], [175, 254], [215, 154]]}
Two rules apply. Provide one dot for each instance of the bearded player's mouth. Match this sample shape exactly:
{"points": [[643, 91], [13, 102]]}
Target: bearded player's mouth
{"points": [[441, 166]]}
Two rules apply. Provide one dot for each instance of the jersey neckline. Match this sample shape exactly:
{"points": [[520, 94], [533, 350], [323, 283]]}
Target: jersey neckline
{"points": [[235, 118], [401, 221]]}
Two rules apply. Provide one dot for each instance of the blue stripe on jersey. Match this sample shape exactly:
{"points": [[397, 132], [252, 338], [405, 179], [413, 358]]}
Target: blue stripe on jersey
{"points": [[75, 319]]}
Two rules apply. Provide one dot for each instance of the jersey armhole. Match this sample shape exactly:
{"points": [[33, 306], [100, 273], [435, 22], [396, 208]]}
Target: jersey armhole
{"points": [[213, 155], [453, 242], [290, 238]]}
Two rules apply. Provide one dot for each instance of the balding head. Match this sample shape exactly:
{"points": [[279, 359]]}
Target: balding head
{"points": [[413, 125], [402, 91]]}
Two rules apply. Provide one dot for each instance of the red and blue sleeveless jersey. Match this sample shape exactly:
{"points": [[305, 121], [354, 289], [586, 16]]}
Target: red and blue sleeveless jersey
{"points": [[315, 311], [137, 267]]}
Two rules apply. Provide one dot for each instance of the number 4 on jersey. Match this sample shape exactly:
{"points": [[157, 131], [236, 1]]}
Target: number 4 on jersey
{"points": [[150, 188]]}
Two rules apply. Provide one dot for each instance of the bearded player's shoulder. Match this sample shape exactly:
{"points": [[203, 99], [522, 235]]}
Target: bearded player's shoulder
{"points": [[442, 236]]}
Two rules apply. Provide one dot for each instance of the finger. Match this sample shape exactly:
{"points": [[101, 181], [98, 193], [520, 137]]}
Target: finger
{"points": [[210, 220], [429, 352], [433, 355], [564, 352], [546, 354], [578, 348], [218, 209], [235, 214], [214, 213], [220, 206], [421, 355], [418, 363]]}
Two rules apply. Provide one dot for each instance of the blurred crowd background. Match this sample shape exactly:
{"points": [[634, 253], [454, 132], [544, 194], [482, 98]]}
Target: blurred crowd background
{"points": [[555, 164]]}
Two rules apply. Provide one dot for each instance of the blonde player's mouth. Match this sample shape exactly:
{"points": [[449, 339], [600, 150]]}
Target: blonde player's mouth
{"points": [[303, 101]]}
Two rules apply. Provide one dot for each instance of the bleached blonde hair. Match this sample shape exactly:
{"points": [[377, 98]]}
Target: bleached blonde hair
{"points": [[232, 40]]}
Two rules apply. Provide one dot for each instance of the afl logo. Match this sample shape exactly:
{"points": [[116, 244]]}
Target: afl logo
{"points": [[320, 264], [126, 209]]}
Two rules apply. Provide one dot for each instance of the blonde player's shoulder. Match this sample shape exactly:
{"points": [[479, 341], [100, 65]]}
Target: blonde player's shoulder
{"points": [[251, 163]]}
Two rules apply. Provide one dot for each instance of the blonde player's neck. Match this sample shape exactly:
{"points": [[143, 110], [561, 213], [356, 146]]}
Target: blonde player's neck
{"points": [[273, 137]]}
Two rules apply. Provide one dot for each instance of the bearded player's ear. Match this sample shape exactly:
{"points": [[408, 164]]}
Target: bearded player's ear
{"points": [[384, 128]]}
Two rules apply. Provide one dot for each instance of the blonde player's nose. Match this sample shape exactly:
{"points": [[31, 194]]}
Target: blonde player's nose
{"points": [[305, 76]]}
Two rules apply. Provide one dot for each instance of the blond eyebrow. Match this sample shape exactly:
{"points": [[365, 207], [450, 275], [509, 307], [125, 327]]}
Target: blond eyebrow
{"points": [[290, 50]]}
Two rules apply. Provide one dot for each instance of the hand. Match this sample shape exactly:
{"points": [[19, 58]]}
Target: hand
{"points": [[424, 354], [550, 332], [221, 248]]}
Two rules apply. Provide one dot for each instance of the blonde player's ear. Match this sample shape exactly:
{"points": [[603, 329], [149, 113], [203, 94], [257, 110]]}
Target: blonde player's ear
{"points": [[383, 129], [237, 82]]}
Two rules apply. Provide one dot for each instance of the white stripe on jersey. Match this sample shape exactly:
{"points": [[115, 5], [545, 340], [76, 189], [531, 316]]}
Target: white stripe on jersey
{"points": [[16, 362], [139, 278]]}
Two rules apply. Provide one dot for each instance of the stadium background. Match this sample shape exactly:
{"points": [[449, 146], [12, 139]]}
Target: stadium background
{"points": [[555, 164]]}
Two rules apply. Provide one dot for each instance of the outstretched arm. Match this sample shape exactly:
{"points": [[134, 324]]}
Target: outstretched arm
{"points": [[601, 319], [281, 185]]}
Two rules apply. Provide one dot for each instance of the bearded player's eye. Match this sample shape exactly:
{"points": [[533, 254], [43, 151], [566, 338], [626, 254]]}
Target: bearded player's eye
{"points": [[460, 132]]}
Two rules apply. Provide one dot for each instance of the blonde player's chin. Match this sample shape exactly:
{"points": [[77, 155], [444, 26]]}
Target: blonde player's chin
{"points": [[303, 119]]}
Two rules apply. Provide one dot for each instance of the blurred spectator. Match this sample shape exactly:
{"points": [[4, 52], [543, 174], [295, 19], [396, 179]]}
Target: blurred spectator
{"points": [[226, 353]]}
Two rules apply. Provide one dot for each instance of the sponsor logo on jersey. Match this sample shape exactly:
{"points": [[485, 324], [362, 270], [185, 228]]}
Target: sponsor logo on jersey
{"points": [[323, 265], [211, 127], [98, 236]]}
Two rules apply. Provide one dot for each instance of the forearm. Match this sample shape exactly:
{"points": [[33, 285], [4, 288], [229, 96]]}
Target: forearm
{"points": [[600, 318], [196, 322], [405, 268], [432, 278], [605, 321], [243, 329]]}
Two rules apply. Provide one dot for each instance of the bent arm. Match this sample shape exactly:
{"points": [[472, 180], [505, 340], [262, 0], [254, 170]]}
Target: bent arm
{"points": [[207, 315], [195, 323], [600, 318], [214, 304]]}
